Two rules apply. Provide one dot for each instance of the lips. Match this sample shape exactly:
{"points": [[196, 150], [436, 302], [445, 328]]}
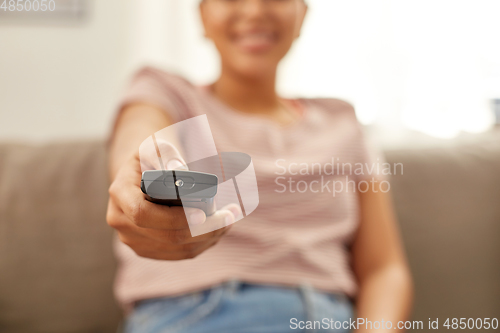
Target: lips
{"points": [[255, 41]]}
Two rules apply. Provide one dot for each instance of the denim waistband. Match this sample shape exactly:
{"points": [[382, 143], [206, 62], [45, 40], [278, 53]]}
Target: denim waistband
{"points": [[304, 301], [305, 288], [307, 292]]}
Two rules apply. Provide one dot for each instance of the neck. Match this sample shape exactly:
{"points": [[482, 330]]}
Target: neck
{"points": [[251, 95]]}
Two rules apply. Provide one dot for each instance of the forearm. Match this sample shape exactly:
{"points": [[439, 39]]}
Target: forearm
{"points": [[134, 124], [385, 294]]}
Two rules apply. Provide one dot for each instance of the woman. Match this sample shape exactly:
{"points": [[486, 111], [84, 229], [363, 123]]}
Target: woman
{"points": [[305, 259]]}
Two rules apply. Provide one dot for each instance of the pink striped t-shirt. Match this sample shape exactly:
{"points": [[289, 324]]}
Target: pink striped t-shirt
{"points": [[302, 228]]}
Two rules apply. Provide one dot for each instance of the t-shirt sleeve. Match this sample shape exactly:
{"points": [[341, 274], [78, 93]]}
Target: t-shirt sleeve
{"points": [[370, 160], [153, 87], [157, 88]]}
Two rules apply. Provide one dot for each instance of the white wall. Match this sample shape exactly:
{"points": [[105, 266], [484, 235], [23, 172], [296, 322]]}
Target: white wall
{"points": [[169, 34], [420, 65], [427, 66], [62, 81]]}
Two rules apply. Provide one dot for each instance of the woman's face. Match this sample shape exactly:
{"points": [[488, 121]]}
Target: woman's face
{"points": [[252, 36]]}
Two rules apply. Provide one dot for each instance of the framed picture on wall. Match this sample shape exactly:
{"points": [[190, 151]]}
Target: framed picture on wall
{"points": [[44, 11]]}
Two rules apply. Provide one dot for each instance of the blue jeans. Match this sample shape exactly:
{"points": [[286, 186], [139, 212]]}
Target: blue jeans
{"points": [[237, 307]]}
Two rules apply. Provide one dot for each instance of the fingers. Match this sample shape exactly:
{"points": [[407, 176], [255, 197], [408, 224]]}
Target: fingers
{"points": [[220, 219], [126, 193], [235, 209], [143, 244], [158, 231], [160, 244], [164, 255], [119, 220], [161, 249], [182, 236]]}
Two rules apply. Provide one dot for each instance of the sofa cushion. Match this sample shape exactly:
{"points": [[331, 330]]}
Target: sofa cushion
{"points": [[56, 260], [448, 206], [57, 265]]}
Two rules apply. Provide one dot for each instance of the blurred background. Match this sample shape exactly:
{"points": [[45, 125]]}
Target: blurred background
{"points": [[429, 66], [424, 77]]}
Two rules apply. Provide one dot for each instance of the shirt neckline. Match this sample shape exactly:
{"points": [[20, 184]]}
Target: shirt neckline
{"points": [[237, 115]]}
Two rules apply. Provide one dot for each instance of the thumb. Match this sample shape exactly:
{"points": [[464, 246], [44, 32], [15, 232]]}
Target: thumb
{"points": [[176, 164], [160, 154], [170, 155]]}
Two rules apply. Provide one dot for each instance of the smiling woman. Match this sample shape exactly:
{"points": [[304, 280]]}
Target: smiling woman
{"points": [[300, 254], [253, 46], [404, 84]]}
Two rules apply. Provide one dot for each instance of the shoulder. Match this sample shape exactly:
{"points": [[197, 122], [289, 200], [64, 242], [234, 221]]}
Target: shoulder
{"points": [[154, 75], [342, 114], [331, 104], [170, 92], [333, 107]]}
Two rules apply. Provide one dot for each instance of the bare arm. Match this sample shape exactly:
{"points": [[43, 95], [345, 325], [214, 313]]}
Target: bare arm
{"points": [[134, 124], [386, 289], [151, 230]]}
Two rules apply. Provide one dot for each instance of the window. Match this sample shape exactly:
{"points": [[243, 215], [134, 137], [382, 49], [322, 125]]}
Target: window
{"points": [[430, 66]]}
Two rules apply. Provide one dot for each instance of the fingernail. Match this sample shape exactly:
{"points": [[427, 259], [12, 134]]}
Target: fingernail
{"points": [[174, 164], [236, 211], [197, 217], [228, 220]]}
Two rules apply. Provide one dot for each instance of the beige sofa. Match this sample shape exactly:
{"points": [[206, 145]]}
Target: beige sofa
{"points": [[57, 265]]}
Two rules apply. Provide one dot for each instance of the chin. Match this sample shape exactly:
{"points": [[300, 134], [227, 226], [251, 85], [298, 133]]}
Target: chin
{"points": [[255, 68]]}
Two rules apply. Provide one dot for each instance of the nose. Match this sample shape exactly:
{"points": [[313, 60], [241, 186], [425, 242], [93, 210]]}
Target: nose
{"points": [[254, 8]]}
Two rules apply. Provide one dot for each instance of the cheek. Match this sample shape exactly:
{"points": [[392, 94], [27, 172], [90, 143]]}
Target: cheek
{"points": [[217, 23], [289, 25]]}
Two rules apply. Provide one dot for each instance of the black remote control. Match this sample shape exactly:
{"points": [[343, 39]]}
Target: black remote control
{"points": [[181, 188]]}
